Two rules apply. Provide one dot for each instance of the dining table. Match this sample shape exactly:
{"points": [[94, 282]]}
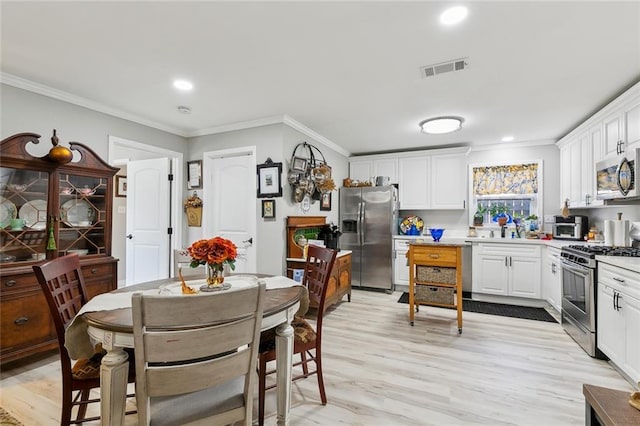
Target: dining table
{"points": [[114, 329]]}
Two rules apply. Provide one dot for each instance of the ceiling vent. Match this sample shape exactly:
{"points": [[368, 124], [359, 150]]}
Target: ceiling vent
{"points": [[443, 67]]}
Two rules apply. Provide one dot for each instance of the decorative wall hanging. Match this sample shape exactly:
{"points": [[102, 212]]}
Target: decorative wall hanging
{"points": [[309, 174], [121, 186], [269, 209], [269, 179], [194, 174], [193, 208], [325, 202]]}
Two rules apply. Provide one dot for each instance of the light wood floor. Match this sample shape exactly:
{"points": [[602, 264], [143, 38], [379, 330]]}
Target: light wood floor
{"points": [[381, 371]]}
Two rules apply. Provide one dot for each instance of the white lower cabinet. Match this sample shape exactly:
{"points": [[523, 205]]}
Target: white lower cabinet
{"points": [[400, 266], [618, 321], [552, 277], [506, 270]]}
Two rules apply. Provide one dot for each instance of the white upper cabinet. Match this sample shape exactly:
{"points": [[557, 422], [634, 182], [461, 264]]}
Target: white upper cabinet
{"points": [[448, 181], [366, 167], [414, 188], [361, 170], [611, 131], [427, 180]]}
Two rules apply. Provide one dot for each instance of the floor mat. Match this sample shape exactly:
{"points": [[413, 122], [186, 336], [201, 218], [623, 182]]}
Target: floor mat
{"points": [[524, 312]]}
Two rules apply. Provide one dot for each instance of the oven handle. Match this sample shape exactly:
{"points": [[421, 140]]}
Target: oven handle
{"points": [[573, 267]]}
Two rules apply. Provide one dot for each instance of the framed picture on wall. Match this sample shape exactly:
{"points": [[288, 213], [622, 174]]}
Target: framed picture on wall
{"points": [[194, 174], [269, 209], [121, 186], [269, 184], [325, 201]]}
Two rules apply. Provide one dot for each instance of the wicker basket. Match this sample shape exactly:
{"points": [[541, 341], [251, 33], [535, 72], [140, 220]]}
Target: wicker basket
{"points": [[436, 274], [433, 294]]}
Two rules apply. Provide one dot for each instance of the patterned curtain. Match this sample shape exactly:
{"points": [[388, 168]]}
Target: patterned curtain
{"points": [[509, 179]]}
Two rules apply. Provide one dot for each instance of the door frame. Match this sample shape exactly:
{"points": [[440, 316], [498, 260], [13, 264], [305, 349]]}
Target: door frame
{"points": [[208, 157], [145, 151]]}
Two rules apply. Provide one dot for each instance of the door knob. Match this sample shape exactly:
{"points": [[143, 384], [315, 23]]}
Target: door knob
{"points": [[129, 236], [250, 240]]}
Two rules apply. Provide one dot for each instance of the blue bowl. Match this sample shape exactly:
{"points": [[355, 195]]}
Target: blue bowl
{"points": [[436, 233]]}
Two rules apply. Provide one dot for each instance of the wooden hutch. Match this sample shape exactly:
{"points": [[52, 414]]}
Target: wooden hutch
{"points": [[309, 226], [47, 210]]}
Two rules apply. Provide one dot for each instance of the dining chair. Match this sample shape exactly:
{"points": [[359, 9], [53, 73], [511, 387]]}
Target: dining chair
{"points": [[307, 340], [64, 289], [196, 356]]}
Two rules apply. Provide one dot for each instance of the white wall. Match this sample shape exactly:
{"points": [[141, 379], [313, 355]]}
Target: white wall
{"points": [[277, 142]]}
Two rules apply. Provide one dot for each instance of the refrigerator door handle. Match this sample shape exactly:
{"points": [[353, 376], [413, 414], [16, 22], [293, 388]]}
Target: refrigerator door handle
{"points": [[362, 219], [359, 224]]}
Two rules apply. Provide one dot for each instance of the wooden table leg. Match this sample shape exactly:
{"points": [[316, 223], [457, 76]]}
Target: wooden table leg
{"points": [[114, 373], [284, 361]]}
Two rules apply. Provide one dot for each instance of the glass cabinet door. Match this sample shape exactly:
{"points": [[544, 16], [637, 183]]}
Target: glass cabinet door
{"points": [[23, 214], [82, 215]]}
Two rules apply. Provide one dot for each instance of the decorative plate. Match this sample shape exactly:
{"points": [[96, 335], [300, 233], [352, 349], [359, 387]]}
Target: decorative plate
{"points": [[8, 211], [76, 213], [34, 213], [406, 223]]}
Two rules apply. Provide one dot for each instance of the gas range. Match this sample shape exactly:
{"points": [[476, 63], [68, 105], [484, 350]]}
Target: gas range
{"points": [[586, 255]]}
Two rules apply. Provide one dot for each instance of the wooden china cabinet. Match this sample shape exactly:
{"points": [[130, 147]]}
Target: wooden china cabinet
{"points": [[47, 210]]}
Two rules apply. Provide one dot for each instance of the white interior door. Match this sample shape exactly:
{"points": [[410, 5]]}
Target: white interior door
{"points": [[148, 207], [230, 202]]}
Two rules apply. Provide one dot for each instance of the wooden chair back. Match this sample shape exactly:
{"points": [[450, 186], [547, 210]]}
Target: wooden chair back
{"points": [[187, 345], [64, 289], [317, 271]]}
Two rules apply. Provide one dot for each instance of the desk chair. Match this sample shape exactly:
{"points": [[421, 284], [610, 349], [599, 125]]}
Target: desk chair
{"points": [[64, 289], [307, 341], [196, 356]]}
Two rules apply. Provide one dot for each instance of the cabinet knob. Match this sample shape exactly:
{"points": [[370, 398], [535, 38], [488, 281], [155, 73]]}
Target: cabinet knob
{"points": [[21, 321], [94, 271], [434, 256], [10, 283]]}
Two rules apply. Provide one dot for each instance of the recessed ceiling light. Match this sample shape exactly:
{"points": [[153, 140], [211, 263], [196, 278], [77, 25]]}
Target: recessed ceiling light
{"points": [[183, 85], [453, 15], [441, 125], [184, 109], [507, 139]]}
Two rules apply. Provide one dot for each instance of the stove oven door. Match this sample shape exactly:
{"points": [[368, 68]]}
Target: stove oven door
{"points": [[578, 294]]}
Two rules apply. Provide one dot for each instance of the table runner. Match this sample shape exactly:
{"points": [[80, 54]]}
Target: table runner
{"points": [[77, 339]]}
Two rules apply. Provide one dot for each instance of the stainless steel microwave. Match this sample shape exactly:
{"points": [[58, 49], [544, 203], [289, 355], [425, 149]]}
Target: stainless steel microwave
{"points": [[617, 177]]}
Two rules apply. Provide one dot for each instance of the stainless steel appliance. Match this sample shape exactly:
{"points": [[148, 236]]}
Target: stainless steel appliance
{"points": [[617, 177], [368, 222], [579, 301], [570, 228]]}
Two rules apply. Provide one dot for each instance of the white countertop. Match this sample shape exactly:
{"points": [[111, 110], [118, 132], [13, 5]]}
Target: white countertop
{"points": [[630, 263], [470, 240], [300, 259]]}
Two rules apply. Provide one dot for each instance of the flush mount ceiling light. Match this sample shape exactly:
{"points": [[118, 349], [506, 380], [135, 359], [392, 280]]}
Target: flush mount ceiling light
{"points": [[453, 15], [184, 109], [441, 125], [183, 85], [507, 139]]}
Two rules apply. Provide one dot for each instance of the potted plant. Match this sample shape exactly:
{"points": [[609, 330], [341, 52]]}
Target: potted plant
{"points": [[499, 213], [478, 217], [531, 222]]}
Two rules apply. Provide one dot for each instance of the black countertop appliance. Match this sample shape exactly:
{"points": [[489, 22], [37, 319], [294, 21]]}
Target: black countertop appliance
{"points": [[331, 236]]}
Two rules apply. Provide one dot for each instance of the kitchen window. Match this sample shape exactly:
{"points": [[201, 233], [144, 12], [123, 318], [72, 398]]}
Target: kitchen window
{"points": [[514, 189]]}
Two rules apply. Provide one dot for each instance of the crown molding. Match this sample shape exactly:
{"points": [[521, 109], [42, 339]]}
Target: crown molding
{"points": [[314, 135], [511, 145], [50, 92], [31, 86]]}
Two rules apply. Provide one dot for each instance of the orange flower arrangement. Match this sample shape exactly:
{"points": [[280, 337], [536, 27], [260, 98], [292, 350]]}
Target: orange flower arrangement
{"points": [[214, 252]]}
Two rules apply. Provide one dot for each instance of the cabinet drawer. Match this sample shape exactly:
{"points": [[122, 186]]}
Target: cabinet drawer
{"points": [[401, 244], [25, 321], [18, 282], [97, 272], [343, 261], [513, 249], [621, 279], [436, 256]]}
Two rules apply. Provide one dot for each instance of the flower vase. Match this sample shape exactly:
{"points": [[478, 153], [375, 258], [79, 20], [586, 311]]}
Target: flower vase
{"points": [[215, 275]]}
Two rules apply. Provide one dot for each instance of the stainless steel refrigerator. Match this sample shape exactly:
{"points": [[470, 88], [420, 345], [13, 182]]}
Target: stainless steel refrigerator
{"points": [[368, 221]]}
